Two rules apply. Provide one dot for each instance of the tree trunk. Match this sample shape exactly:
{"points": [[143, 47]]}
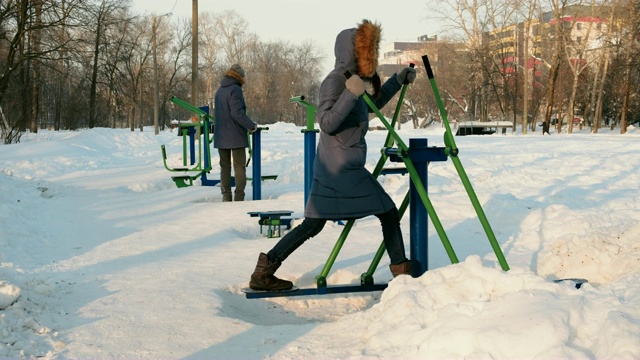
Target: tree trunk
{"points": [[132, 118], [35, 75], [572, 99], [598, 114], [554, 70], [525, 87], [140, 104], [94, 75], [590, 114], [631, 51]]}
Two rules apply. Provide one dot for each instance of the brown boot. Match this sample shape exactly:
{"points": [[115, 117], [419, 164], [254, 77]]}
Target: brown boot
{"points": [[403, 268], [263, 279]]}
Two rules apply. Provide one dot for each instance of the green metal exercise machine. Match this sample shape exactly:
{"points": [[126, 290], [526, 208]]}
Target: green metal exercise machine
{"points": [[198, 130], [421, 154]]}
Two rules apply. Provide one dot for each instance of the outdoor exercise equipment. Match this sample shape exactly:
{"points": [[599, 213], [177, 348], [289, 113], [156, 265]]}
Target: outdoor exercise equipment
{"points": [[452, 152], [274, 221], [416, 158], [199, 162], [256, 155], [309, 143]]}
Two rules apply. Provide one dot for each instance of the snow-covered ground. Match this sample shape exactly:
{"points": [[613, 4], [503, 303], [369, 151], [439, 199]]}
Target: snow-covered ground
{"points": [[102, 256]]}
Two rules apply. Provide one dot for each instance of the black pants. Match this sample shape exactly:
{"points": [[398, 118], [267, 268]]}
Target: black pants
{"points": [[391, 234]]}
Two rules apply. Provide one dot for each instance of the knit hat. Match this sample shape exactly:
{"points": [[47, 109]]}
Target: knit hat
{"points": [[238, 69], [237, 72]]}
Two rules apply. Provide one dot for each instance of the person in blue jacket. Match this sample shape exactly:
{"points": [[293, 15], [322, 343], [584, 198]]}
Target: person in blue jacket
{"points": [[342, 187], [230, 132]]}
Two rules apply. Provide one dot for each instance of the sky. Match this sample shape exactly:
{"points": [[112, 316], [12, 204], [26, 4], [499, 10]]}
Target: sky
{"points": [[317, 21], [103, 257]]}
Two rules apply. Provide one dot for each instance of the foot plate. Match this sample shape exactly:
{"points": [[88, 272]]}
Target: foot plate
{"points": [[249, 290]]}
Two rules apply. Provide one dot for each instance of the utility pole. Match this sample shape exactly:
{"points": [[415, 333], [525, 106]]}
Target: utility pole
{"points": [[155, 77], [194, 54], [154, 30], [525, 95]]}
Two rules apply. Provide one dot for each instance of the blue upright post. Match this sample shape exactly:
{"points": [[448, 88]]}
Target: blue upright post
{"points": [[205, 138], [309, 157], [309, 144], [192, 144], [257, 176], [420, 155], [418, 213]]}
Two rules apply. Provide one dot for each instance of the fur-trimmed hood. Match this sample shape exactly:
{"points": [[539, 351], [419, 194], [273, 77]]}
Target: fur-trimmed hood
{"points": [[357, 49], [234, 74]]}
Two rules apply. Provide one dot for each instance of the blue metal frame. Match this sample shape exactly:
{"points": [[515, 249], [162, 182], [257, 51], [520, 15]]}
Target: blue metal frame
{"points": [[309, 158], [257, 164], [421, 155]]}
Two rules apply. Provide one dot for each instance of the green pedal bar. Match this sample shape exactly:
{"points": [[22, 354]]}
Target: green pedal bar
{"points": [[450, 142], [321, 280], [417, 182]]}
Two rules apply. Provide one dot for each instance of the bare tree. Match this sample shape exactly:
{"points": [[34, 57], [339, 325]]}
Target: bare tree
{"points": [[234, 39], [606, 59], [276, 71], [469, 19], [174, 45], [557, 43], [24, 27], [34, 75], [482, 26], [527, 12], [631, 53], [576, 53], [102, 15], [211, 63], [16, 14], [450, 64], [86, 63]]}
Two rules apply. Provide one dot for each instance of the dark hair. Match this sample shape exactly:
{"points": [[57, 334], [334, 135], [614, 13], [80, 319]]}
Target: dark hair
{"points": [[377, 85]]}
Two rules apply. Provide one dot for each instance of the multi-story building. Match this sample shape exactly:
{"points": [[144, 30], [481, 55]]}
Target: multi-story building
{"points": [[529, 44], [398, 54]]}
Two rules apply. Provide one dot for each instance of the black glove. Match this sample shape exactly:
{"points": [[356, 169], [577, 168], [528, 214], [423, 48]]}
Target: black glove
{"points": [[355, 85], [406, 76]]}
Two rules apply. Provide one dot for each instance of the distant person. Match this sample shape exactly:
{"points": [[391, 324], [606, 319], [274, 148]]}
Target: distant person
{"points": [[342, 187], [230, 132], [545, 127]]}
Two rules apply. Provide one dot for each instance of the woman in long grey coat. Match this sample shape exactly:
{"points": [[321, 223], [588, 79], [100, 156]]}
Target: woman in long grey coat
{"points": [[342, 187]]}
